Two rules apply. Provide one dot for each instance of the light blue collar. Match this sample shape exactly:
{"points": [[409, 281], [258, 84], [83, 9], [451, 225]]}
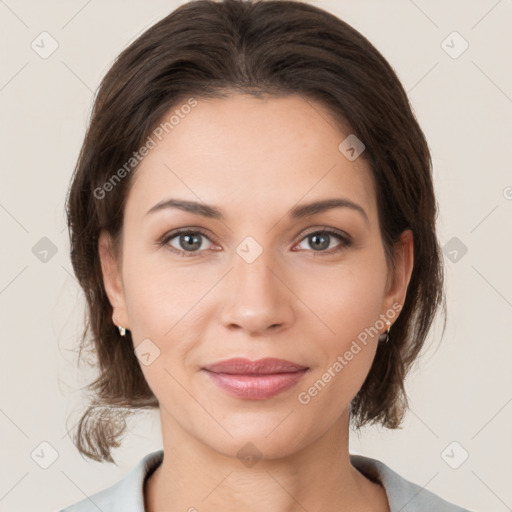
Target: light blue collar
{"points": [[127, 495]]}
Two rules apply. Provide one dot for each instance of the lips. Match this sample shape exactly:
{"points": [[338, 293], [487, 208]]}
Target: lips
{"points": [[267, 366], [255, 380]]}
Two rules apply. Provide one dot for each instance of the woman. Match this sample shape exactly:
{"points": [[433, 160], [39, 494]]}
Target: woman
{"points": [[252, 220]]}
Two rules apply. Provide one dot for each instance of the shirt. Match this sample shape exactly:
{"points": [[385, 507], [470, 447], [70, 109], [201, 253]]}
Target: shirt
{"points": [[127, 495]]}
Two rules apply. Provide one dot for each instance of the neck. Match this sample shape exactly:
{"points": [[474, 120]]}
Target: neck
{"points": [[319, 477]]}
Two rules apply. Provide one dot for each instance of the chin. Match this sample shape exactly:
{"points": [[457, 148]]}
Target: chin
{"points": [[258, 441]]}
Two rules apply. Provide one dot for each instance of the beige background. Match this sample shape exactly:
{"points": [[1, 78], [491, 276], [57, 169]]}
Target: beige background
{"points": [[461, 392]]}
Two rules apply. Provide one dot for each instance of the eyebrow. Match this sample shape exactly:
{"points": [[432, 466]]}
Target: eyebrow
{"points": [[297, 212]]}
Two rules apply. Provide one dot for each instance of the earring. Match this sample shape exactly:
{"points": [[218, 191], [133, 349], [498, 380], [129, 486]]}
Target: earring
{"points": [[122, 330], [384, 337]]}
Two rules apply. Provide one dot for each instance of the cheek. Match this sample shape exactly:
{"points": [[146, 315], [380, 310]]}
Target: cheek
{"points": [[159, 295], [346, 350], [165, 304], [347, 298], [160, 305]]}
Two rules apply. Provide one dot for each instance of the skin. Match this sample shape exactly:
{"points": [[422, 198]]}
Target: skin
{"points": [[255, 159]]}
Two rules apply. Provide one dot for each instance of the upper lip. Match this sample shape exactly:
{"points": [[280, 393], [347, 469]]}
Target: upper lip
{"points": [[266, 366]]}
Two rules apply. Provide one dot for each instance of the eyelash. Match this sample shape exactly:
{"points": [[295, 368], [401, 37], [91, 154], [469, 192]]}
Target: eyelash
{"points": [[343, 238]]}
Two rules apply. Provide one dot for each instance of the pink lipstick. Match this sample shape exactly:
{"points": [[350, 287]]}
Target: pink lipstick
{"points": [[255, 380]]}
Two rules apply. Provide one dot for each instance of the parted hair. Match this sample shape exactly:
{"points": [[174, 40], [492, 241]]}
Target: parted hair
{"points": [[211, 49]]}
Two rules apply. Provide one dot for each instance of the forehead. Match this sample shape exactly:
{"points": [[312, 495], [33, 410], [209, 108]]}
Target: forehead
{"points": [[251, 153]]}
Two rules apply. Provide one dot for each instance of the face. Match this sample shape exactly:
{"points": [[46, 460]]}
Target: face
{"points": [[253, 274]]}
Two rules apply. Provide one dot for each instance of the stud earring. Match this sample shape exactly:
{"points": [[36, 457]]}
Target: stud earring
{"points": [[384, 337], [122, 330]]}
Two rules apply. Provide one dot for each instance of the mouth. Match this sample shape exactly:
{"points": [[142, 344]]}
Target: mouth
{"points": [[266, 366], [255, 380]]}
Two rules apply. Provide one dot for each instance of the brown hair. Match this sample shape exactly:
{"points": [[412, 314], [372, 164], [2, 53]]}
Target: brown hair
{"points": [[206, 49]]}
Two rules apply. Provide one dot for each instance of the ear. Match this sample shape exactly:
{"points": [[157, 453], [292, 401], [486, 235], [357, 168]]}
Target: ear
{"points": [[398, 281], [111, 271]]}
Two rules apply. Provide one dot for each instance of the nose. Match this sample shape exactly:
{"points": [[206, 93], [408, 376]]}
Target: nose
{"points": [[256, 297]]}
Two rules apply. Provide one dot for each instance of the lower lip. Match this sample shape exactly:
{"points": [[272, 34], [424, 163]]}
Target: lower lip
{"points": [[256, 387]]}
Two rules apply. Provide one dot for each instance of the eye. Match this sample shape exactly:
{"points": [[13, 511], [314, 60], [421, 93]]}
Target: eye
{"points": [[189, 242], [321, 240], [185, 241]]}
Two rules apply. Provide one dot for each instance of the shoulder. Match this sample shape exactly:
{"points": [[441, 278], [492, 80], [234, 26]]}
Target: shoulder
{"points": [[403, 495], [127, 495]]}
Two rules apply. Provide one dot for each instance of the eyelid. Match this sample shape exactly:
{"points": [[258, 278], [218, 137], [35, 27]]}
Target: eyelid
{"points": [[345, 238], [169, 235], [327, 229], [189, 229]]}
